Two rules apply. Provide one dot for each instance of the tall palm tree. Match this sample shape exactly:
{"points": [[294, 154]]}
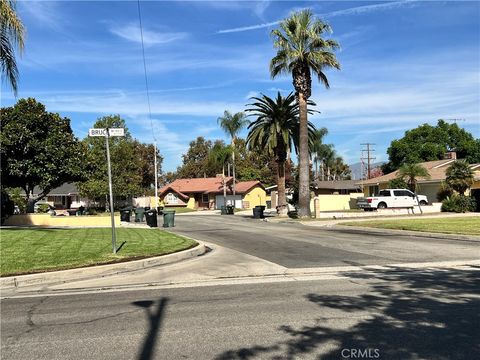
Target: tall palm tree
{"points": [[219, 156], [276, 131], [12, 33], [410, 174], [301, 49], [232, 124]]}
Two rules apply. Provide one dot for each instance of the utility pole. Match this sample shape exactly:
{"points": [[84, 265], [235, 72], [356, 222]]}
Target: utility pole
{"points": [[368, 157]]}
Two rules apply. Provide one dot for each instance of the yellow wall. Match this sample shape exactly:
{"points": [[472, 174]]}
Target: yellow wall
{"points": [[191, 202], [256, 196], [47, 220], [476, 184], [336, 202]]}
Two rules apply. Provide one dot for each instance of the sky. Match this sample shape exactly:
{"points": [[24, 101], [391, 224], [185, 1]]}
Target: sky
{"points": [[403, 63]]}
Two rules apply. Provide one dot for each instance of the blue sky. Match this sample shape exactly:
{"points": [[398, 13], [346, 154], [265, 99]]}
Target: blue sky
{"points": [[404, 63]]}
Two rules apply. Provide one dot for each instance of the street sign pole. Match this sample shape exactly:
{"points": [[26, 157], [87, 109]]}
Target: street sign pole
{"points": [[114, 247]]}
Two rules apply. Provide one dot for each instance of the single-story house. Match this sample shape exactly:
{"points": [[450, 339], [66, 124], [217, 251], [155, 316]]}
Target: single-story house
{"points": [[429, 187], [65, 196], [336, 187], [207, 193]]}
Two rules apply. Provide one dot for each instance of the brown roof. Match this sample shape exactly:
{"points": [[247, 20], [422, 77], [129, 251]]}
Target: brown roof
{"points": [[207, 185], [337, 185], [436, 169]]}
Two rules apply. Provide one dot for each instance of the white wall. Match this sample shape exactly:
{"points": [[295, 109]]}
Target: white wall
{"points": [[230, 201]]}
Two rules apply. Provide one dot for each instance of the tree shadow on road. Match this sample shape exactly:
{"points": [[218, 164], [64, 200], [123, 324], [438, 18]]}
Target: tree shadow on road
{"points": [[154, 312], [406, 314]]}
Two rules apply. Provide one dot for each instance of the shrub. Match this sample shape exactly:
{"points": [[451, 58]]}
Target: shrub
{"points": [[397, 183], [43, 208], [444, 192], [458, 204]]}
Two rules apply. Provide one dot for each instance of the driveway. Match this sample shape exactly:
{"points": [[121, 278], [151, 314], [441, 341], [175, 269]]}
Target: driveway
{"points": [[298, 246]]}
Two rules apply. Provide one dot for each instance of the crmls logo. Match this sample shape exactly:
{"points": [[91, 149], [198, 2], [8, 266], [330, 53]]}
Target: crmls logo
{"points": [[360, 353]]}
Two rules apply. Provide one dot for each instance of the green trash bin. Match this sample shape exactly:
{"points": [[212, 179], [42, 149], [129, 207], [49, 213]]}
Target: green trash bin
{"points": [[223, 210], [168, 218], [139, 214]]}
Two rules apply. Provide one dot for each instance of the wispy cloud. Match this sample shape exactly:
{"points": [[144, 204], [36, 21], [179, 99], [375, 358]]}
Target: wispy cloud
{"points": [[44, 13], [344, 12], [131, 32]]}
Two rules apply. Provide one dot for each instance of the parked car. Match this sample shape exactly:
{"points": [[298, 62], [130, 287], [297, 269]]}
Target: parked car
{"points": [[391, 198]]}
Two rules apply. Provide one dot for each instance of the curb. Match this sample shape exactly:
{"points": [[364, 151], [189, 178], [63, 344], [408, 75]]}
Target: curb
{"points": [[63, 276], [443, 236]]}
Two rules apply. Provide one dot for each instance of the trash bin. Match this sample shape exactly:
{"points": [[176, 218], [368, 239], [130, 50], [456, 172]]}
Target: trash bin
{"points": [[151, 218], [139, 214], [168, 218], [258, 212], [223, 210], [230, 209], [125, 214], [160, 210]]}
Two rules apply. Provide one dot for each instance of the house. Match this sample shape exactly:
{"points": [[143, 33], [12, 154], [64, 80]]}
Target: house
{"points": [[65, 196], [336, 187], [207, 193], [429, 187]]}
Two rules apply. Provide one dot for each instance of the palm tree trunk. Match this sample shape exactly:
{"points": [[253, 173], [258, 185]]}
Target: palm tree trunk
{"points": [[233, 169], [303, 157], [282, 199], [224, 186]]}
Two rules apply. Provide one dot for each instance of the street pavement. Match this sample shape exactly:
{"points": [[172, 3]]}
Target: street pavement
{"points": [[389, 314], [298, 246]]}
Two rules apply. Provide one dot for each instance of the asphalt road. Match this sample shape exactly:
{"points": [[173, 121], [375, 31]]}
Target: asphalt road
{"points": [[418, 314], [298, 246]]}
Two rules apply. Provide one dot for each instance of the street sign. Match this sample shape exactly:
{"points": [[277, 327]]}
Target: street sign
{"points": [[103, 132]]}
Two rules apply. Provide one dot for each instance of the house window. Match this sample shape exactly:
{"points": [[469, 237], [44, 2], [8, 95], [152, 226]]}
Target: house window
{"points": [[205, 198], [171, 199]]}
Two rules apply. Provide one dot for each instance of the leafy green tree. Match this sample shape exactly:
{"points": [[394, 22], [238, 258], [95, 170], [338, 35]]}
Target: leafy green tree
{"points": [[276, 131], [428, 143], [125, 162], [12, 34], [318, 150], [38, 149], [219, 156], [146, 161], [301, 49], [459, 176], [232, 124], [196, 161], [397, 183]]}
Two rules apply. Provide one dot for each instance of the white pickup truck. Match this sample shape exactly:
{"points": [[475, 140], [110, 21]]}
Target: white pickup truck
{"points": [[391, 198]]}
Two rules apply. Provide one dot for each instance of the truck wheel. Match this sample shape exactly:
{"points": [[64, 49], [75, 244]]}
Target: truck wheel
{"points": [[423, 203], [382, 205]]}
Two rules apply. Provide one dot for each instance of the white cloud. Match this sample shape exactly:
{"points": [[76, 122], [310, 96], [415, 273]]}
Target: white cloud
{"points": [[344, 12], [251, 94], [131, 32]]}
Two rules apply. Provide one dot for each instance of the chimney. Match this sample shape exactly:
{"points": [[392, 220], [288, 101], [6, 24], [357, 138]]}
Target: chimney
{"points": [[450, 155]]}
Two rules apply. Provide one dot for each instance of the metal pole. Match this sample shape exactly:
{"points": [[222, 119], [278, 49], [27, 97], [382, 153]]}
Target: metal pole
{"points": [[156, 177], [114, 247]]}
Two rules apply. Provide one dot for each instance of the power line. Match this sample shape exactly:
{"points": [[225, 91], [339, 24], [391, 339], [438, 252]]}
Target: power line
{"points": [[149, 106], [368, 157]]}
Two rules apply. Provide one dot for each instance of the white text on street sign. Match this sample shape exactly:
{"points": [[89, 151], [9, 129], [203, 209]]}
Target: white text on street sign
{"points": [[103, 132]]}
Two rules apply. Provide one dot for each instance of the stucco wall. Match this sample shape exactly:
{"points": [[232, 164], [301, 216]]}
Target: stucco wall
{"points": [[47, 220], [336, 202], [256, 196]]}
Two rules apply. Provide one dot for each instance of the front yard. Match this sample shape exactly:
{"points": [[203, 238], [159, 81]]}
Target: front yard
{"points": [[26, 251], [469, 225]]}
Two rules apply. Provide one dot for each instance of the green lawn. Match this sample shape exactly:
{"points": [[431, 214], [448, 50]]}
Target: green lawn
{"points": [[36, 250], [452, 225]]}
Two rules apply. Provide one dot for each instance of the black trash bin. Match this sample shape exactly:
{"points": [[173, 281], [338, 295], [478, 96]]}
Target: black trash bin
{"points": [[139, 214], [258, 212], [230, 209], [168, 218], [151, 218], [125, 214]]}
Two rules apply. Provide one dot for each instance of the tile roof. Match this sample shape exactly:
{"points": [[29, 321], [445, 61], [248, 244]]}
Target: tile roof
{"points": [[207, 185], [436, 169], [337, 184]]}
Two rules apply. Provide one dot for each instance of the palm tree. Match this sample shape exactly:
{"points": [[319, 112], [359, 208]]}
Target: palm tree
{"points": [[318, 147], [410, 173], [219, 156], [459, 176], [12, 33], [232, 125], [300, 51], [276, 131]]}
